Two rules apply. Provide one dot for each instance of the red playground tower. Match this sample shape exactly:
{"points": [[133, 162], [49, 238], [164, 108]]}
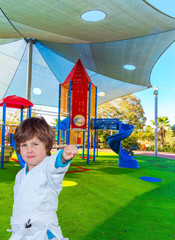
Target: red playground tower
{"points": [[78, 103]]}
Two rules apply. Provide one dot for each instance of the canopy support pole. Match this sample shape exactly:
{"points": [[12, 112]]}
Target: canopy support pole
{"points": [[29, 69], [3, 134]]}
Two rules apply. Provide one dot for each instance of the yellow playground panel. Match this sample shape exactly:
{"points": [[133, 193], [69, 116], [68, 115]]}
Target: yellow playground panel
{"points": [[9, 128]]}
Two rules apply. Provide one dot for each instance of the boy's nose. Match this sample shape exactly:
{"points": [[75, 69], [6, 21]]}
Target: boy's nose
{"points": [[29, 149]]}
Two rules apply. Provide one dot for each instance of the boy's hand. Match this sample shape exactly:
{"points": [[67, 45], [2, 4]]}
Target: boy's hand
{"points": [[70, 151]]}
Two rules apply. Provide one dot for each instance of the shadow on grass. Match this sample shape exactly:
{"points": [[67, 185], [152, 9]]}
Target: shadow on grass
{"points": [[158, 163], [149, 216]]}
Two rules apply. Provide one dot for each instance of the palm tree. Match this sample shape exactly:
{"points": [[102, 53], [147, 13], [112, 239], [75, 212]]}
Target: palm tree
{"points": [[173, 129], [162, 124]]}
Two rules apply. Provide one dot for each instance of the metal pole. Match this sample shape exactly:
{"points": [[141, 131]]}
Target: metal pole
{"points": [[95, 131], [29, 111], [83, 144], [22, 111], [97, 142], [59, 111], [3, 135], [156, 111], [69, 113], [89, 120], [29, 69]]}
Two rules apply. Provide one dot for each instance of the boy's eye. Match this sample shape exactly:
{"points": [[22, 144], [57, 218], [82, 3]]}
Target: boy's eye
{"points": [[23, 145], [35, 144]]}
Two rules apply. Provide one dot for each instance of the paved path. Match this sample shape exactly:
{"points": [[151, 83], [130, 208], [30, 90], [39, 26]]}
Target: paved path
{"points": [[147, 153], [159, 154]]}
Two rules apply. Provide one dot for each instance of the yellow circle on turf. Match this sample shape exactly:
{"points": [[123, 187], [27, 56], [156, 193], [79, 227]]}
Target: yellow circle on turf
{"points": [[69, 183]]}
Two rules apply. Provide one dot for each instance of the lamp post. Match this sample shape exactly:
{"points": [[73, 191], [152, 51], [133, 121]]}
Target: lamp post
{"points": [[156, 97]]}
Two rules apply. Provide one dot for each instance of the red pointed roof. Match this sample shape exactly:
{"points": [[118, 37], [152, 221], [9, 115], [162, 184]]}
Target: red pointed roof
{"points": [[16, 102], [78, 74]]}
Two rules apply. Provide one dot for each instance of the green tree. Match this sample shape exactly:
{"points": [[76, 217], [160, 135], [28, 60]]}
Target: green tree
{"points": [[132, 111], [127, 109], [54, 121], [13, 116], [162, 125], [108, 110], [149, 129]]}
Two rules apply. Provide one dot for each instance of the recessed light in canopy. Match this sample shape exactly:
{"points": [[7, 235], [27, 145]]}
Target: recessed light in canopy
{"points": [[129, 67], [101, 94], [37, 91], [93, 16]]}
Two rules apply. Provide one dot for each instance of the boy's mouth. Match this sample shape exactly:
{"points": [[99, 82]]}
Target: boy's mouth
{"points": [[30, 156]]}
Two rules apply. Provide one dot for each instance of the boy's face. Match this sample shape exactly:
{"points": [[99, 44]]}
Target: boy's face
{"points": [[33, 152]]}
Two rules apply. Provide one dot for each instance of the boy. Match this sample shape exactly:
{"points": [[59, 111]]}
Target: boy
{"points": [[39, 183]]}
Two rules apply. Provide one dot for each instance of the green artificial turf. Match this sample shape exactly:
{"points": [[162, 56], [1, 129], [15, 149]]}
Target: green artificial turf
{"points": [[108, 202]]}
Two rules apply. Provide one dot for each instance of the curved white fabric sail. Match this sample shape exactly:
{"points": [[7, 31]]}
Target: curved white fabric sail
{"points": [[132, 33]]}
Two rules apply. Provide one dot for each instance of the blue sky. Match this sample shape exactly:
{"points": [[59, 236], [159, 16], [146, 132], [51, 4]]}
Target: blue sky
{"points": [[163, 76]]}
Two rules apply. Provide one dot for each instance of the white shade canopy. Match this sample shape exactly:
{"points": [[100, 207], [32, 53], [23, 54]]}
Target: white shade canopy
{"points": [[132, 33]]}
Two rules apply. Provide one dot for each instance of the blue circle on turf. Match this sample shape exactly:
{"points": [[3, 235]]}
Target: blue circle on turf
{"points": [[150, 179]]}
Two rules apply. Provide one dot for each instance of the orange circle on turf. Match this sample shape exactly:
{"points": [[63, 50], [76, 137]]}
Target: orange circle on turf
{"points": [[69, 183]]}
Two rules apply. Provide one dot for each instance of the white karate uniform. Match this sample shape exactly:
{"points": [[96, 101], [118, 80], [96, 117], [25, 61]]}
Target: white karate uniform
{"points": [[36, 200]]}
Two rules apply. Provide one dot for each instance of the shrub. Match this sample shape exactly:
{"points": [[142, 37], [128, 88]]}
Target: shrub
{"points": [[165, 149]]}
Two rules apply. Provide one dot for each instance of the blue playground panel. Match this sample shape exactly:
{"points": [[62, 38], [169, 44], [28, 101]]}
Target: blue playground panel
{"points": [[105, 123]]}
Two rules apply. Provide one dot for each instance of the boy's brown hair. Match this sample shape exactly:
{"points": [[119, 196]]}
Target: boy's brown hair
{"points": [[34, 127]]}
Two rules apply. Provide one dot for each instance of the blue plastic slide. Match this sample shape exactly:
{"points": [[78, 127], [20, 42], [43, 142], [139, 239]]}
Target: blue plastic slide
{"points": [[12, 142], [114, 141], [63, 128], [63, 125]]}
